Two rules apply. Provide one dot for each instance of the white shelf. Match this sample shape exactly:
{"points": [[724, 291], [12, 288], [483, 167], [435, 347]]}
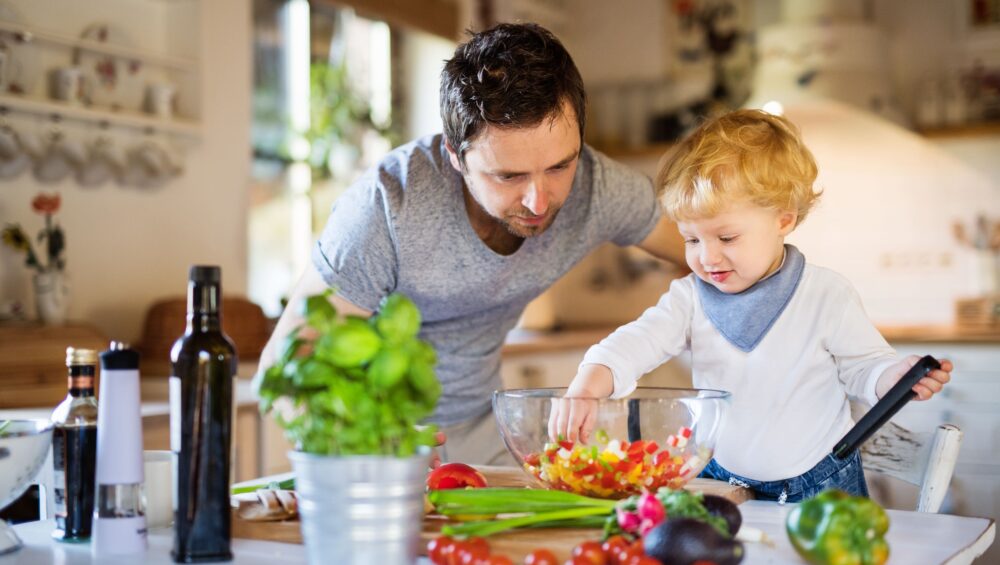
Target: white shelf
{"points": [[31, 34], [187, 128]]}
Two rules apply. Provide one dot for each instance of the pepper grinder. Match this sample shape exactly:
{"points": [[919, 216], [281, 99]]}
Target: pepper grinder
{"points": [[119, 513]]}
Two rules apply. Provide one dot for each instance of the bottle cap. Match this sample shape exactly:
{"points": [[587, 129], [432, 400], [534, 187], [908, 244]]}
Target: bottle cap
{"points": [[207, 274], [76, 356]]}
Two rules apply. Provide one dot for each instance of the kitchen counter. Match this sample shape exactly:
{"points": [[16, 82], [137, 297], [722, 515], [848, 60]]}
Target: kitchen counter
{"points": [[155, 401], [914, 537], [521, 342]]}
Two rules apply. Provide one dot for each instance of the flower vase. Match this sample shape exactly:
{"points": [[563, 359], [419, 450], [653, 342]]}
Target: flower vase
{"points": [[51, 297], [988, 272]]}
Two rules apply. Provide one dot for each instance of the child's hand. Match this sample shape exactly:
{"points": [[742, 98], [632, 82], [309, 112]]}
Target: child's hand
{"points": [[572, 417], [931, 384]]}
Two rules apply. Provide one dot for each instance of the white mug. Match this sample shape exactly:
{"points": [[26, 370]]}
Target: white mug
{"points": [[67, 84], [160, 99], [58, 158], [158, 488], [103, 162]]}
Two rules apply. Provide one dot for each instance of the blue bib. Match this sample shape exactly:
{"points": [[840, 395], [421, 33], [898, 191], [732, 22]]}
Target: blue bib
{"points": [[745, 318]]}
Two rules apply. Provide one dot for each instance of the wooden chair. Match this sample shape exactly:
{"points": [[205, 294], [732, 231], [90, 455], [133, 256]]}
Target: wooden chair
{"points": [[165, 320], [923, 459]]}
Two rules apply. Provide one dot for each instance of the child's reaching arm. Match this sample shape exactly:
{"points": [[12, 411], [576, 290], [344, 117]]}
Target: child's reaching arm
{"points": [[612, 367]]}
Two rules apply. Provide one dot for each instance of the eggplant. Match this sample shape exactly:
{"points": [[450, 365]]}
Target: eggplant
{"points": [[725, 509], [684, 541]]}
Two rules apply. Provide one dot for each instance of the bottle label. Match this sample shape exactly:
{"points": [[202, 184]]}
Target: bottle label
{"points": [[81, 382], [59, 474]]}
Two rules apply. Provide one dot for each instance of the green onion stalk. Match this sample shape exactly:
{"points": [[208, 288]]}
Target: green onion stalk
{"points": [[518, 508]]}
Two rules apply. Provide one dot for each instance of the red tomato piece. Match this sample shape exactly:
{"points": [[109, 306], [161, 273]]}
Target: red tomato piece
{"points": [[455, 475], [661, 458]]}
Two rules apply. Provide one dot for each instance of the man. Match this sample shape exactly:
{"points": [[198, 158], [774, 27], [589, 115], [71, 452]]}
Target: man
{"points": [[474, 224]]}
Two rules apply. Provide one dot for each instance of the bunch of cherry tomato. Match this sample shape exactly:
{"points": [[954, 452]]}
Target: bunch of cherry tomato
{"points": [[616, 550]]}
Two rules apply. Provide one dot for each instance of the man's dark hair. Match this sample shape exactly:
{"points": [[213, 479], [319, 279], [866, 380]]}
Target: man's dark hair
{"points": [[510, 76]]}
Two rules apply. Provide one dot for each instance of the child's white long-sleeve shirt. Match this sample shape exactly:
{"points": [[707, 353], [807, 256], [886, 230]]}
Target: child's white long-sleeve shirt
{"points": [[789, 394]]}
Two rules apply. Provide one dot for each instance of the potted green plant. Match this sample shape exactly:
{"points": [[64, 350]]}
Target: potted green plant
{"points": [[351, 394]]}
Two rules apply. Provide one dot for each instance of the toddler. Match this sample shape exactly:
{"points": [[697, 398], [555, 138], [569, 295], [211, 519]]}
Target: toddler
{"points": [[789, 340]]}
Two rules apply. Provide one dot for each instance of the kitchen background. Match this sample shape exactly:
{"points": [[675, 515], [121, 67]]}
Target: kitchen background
{"points": [[220, 158]]}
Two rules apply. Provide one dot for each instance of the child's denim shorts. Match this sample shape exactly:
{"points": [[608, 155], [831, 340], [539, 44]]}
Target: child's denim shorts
{"points": [[844, 474]]}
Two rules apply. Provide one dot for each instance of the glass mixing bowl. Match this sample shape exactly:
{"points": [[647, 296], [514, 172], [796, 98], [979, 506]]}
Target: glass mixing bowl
{"points": [[655, 437]]}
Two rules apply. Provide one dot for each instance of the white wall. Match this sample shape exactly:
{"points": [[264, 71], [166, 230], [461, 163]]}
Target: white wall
{"points": [[892, 196], [128, 247]]}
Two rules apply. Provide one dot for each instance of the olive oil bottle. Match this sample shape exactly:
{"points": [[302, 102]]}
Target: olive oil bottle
{"points": [[201, 408]]}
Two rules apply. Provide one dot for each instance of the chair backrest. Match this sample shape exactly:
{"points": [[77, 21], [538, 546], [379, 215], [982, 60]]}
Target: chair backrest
{"points": [[242, 320], [923, 459]]}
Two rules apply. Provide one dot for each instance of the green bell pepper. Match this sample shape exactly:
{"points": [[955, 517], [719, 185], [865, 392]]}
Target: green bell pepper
{"points": [[835, 528]]}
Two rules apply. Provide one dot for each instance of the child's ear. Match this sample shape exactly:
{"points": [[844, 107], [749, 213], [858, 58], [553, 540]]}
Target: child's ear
{"points": [[787, 220]]}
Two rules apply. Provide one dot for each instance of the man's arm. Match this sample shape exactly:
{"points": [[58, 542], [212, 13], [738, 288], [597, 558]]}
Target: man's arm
{"points": [[665, 242], [309, 284]]}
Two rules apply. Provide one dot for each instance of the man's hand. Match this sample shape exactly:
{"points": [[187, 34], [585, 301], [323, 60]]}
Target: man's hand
{"points": [[440, 438], [573, 416], [931, 384]]}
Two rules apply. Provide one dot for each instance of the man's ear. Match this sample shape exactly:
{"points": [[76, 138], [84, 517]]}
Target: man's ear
{"points": [[453, 156], [787, 220]]}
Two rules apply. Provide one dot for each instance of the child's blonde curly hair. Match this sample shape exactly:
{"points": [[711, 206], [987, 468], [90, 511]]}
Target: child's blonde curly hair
{"points": [[745, 155]]}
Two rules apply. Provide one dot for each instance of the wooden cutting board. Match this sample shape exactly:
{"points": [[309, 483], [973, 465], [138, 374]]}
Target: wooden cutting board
{"points": [[515, 545]]}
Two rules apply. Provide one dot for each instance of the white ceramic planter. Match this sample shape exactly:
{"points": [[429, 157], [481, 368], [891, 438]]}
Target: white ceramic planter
{"points": [[51, 297]]}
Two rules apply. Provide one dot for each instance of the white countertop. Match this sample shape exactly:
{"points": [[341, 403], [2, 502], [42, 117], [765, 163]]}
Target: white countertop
{"points": [[40, 549], [913, 537]]}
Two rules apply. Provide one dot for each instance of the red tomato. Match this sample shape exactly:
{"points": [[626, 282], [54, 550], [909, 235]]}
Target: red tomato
{"points": [[455, 475], [435, 549], [449, 553], [625, 556], [479, 543], [468, 552], [613, 546], [591, 553], [470, 558], [499, 560], [577, 561], [541, 557]]}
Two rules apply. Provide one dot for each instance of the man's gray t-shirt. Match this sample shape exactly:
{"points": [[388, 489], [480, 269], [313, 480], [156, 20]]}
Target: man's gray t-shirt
{"points": [[403, 227]]}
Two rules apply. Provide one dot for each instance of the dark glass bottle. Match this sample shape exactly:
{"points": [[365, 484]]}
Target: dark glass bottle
{"points": [[74, 449], [201, 408]]}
